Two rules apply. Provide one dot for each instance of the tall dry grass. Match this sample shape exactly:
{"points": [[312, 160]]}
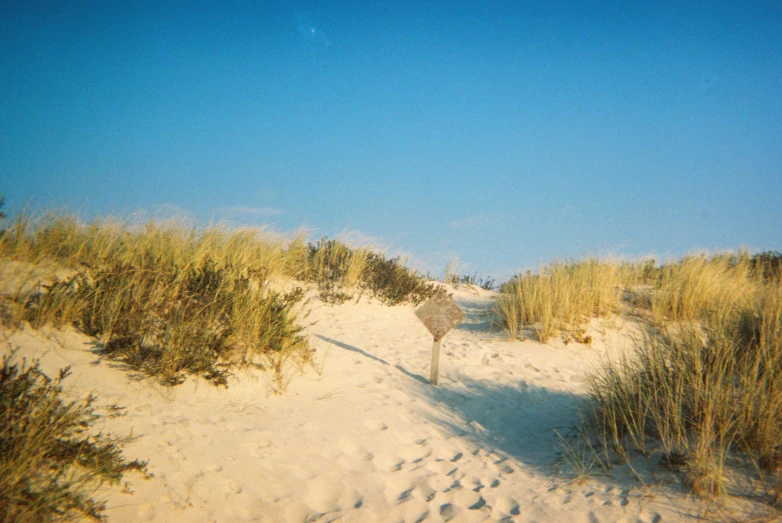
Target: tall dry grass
{"points": [[65, 238], [170, 298], [164, 297], [705, 288], [705, 380], [561, 296]]}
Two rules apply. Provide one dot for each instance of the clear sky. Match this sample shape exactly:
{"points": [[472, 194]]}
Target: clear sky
{"points": [[501, 134]]}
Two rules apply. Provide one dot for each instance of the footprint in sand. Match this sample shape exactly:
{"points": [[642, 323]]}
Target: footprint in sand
{"points": [[443, 483], [412, 437], [388, 462], [413, 453], [447, 453], [473, 482], [414, 511], [449, 511], [398, 488], [443, 468], [424, 491], [354, 449], [146, 512], [491, 482], [503, 506], [468, 499], [375, 425], [297, 512], [324, 495], [232, 486]]}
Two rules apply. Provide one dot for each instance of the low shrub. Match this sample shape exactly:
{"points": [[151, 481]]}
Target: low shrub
{"points": [[454, 279], [51, 462], [393, 283], [340, 272]]}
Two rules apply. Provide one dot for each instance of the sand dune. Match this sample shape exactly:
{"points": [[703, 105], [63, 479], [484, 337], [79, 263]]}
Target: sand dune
{"points": [[364, 437]]}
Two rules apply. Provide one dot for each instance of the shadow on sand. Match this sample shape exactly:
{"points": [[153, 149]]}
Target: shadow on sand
{"points": [[416, 377], [517, 421]]}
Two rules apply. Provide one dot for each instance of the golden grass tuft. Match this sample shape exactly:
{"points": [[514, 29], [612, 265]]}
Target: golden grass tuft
{"points": [[561, 296], [705, 380]]}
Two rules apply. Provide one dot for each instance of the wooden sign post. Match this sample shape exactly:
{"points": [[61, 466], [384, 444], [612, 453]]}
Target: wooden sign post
{"points": [[439, 315]]}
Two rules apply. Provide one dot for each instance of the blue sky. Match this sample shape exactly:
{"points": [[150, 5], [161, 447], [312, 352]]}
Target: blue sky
{"points": [[504, 136]]}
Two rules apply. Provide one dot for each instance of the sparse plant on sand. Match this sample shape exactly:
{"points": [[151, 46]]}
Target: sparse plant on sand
{"points": [[51, 460]]}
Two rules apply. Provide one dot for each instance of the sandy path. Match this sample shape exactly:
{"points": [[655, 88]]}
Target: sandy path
{"points": [[367, 439]]}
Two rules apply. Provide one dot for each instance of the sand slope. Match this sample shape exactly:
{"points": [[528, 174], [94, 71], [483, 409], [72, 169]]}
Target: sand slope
{"points": [[365, 438]]}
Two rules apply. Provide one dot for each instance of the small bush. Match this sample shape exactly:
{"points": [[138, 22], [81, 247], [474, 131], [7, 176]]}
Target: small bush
{"points": [[767, 266], [50, 462], [337, 269], [454, 279], [340, 271], [393, 283]]}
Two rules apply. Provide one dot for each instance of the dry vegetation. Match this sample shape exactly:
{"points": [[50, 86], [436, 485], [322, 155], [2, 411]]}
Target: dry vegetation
{"points": [[168, 300], [561, 296], [704, 387], [50, 464]]}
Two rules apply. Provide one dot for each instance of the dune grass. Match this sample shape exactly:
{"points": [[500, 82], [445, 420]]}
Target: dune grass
{"points": [[561, 296], [702, 390], [705, 288], [704, 383], [164, 298], [50, 463], [168, 298]]}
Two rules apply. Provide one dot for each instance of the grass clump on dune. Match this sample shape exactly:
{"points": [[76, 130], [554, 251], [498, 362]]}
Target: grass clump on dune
{"points": [[704, 384], [168, 321], [559, 297], [704, 288], [50, 462], [703, 387], [703, 390]]}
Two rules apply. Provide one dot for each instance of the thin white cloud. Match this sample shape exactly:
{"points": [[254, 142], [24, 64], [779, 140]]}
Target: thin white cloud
{"points": [[250, 211], [468, 222]]}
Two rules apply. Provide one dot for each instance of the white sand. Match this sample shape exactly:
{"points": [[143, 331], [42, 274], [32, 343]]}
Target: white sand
{"points": [[367, 439]]}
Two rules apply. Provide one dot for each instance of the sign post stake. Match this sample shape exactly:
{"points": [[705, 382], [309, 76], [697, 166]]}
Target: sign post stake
{"points": [[439, 315], [435, 372]]}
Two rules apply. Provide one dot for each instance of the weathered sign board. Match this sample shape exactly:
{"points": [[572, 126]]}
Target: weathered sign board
{"points": [[439, 315]]}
